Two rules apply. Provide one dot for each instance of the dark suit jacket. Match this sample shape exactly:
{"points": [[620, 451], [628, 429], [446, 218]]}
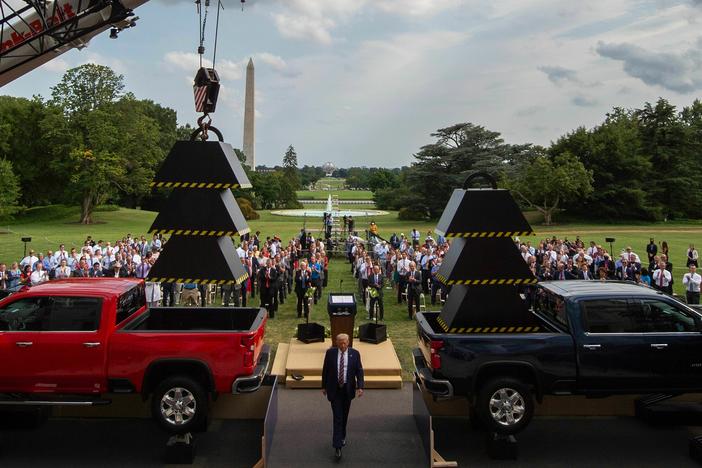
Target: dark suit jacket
{"points": [[415, 286], [378, 285], [582, 276], [354, 373], [262, 279], [302, 286]]}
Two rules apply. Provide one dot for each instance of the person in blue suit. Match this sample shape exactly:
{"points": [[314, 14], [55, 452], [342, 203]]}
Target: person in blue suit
{"points": [[342, 380]]}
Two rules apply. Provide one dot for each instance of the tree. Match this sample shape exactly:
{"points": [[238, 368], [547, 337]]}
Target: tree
{"points": [[9, 195], [442, 166], [382, 179], [546, 183], [621, 172], [290, 168], [86, 88]]}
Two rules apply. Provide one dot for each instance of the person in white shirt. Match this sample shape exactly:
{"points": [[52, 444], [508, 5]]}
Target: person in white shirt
{"points": [[61, 254], [692, 281], [63, 271], [30, 260], [661, 278], [39, 275]]}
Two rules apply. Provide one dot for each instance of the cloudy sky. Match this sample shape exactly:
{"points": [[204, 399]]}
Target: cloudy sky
{"points": [[364, 82]]}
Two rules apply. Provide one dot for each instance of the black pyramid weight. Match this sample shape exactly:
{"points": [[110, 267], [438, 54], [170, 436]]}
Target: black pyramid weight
{"points": [[200, 214], [482, 213], [485, 261], [201, 164], [204, 212], [193, 259], [483, 266]]}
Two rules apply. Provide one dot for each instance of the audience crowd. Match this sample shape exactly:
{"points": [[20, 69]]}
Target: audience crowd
{"points": [[275, 269], [407, 265]]}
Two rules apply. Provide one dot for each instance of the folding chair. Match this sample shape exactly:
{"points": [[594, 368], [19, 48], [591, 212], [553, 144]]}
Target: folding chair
{"points": [[422, 303], [212, 294]]}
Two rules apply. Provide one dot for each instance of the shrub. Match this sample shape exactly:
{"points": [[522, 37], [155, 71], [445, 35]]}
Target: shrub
{"points": [[247, 209], [413, 214]]}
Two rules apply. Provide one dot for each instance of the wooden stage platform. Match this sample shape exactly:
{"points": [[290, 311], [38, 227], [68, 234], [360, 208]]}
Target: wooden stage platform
{"points": [[380, 364]]}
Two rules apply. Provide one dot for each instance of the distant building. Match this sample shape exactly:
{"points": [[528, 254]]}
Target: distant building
{"points": [[328, 169]]}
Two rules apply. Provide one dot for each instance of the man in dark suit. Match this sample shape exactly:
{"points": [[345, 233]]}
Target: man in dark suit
{"points": [[342, 380], [414, 288], [267, 277], [375, 282], [303, 282]]}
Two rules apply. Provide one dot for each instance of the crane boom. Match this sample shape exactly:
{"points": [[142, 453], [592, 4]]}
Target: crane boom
{"points": [[33, 32]]}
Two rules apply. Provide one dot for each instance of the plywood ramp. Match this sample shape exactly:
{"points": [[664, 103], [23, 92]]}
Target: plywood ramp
{"points": [[380, 364]]}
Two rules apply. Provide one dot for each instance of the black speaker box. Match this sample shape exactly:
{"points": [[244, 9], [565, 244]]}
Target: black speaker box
{"points": [[310, 332], [372, 333]]}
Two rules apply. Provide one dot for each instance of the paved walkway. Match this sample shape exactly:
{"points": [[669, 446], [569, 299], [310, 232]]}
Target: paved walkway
{"points": [[381, 431]]}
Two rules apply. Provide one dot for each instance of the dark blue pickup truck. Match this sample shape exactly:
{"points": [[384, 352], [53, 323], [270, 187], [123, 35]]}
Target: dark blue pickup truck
{"points": [[598, 339]]}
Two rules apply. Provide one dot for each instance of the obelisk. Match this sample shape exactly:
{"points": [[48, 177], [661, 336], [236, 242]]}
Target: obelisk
{"points": [[249, 117]]}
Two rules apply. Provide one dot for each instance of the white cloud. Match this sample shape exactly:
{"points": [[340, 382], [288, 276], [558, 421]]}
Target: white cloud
{"points": [[57, 65], [416, 7], [304, 27], [190, 61]]}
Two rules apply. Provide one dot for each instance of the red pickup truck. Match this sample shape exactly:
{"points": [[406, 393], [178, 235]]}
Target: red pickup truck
{"points": [[70, 342]]}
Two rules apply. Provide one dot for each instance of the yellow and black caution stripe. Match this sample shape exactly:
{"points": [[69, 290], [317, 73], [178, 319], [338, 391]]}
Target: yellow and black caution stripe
{"points": [[205, 185], [491, 234], [195, 232], [487, 282], [442, 324], [494, 330], [239, 280]]}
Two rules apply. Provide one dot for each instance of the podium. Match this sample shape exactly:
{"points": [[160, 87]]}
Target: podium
{"points": [[342, 314]]}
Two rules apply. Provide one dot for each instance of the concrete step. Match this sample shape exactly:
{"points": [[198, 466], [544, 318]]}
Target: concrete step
{"points": [[281, 359]]}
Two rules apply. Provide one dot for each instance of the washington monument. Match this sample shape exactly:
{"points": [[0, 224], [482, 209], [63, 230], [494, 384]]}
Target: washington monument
{"points": [[249, 118]]}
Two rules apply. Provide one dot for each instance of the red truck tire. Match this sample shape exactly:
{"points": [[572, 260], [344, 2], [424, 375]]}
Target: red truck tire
{"points": [[179, 404]]}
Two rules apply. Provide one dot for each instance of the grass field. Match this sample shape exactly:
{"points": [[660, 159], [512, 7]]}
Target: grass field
{"points": [[51, 226], [342, 194]]}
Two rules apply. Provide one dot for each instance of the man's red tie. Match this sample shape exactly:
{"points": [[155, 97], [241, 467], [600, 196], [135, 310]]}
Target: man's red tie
{"points": [[661, 276], [341, 369]]}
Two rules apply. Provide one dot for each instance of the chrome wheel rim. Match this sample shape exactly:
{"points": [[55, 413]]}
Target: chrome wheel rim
{"points": [[178, 406], [507, 407]]}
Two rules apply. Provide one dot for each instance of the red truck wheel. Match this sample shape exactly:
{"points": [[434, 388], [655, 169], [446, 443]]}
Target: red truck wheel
{"points": [[179, 404], [505, 405]]}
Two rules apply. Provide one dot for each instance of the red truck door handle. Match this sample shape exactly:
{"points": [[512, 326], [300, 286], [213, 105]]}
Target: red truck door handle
{"points": [[592, 346], [24, 344], [91, 344]]}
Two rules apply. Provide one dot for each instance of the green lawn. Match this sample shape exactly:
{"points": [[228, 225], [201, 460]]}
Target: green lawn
{"points": [[342, 194], [51, 226]]}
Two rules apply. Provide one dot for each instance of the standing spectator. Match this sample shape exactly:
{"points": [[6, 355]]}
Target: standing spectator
{"points": [[63, 271], [82, 269], [661, 278], [645, 277], [39, 275], [351, 224], [664, 248], [691, 281], [4, 277], [415, 238], [403, 269], [651, 251], [317, 272], [414, 288], [584, 272], [168, 294], [30, 260], [375, 283], [266, 286], [303, 281], [96, 271], [190, 295], [692, 256], [14, 275]]}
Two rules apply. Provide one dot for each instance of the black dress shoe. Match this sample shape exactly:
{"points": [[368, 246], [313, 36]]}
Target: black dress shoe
{"points": [[337, 454]]}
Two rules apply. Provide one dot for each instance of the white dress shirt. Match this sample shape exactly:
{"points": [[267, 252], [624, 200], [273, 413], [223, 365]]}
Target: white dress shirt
{"points": [[664, 281], [692, 282]]}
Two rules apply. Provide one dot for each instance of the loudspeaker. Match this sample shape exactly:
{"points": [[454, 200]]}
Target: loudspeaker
{"points": [[310, 332], [372, 333]]}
